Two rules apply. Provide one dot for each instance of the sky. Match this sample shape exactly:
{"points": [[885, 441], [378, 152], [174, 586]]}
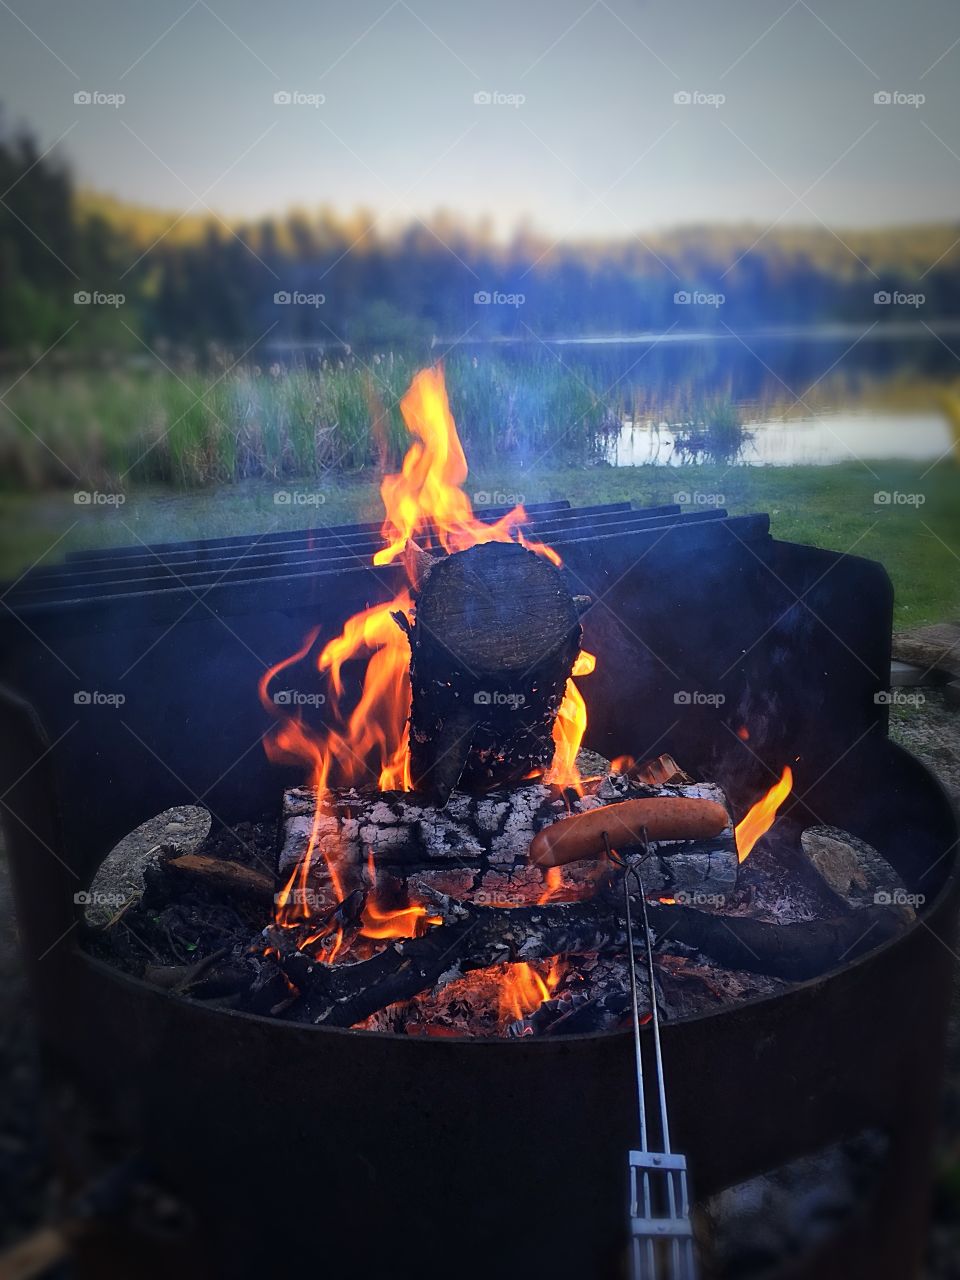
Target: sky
{"points": [[582, 135]]}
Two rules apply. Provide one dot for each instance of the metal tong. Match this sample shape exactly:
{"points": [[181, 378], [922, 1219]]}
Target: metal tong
{"points": [[661, 1233]]}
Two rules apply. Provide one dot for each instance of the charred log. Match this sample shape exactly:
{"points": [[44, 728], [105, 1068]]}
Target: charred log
{"points": [[493, 644], [344, 994], [477, 937], [795, 951]]}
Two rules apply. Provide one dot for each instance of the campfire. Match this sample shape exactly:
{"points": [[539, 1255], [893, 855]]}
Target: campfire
{"points": [[409, 916], [446, 868]]}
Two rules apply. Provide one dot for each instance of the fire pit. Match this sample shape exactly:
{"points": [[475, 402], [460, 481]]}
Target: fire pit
{"points": [[361, 1094]]}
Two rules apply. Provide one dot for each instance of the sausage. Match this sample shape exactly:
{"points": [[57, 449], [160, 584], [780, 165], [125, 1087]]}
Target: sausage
{"points": [[664, 817]]}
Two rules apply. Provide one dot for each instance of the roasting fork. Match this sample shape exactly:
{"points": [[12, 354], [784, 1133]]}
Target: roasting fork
{"points": [[661, 1233]]}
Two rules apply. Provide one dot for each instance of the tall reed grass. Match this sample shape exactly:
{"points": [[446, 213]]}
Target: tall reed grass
{"points": [[125, 426]]}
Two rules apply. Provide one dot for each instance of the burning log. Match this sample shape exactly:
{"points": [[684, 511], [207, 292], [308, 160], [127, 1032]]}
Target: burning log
{"points": [[341, 995], [493, 644], [473, 937], [477, 846]]}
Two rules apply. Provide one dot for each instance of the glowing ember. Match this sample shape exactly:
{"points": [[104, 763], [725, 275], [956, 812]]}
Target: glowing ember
{"points": [[762, 815]]}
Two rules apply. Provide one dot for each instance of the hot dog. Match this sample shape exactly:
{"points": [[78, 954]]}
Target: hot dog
{"points": [[664, 817]]}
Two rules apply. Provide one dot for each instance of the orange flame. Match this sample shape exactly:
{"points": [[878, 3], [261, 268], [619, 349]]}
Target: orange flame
{"points": [[425, 497], [381, 922], [423, 501], [569, 728], [761, 817], [523, 990]]}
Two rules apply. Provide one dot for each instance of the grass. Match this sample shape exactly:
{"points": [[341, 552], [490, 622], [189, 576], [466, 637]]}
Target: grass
{"points": [[832, 507], [111, 428]]}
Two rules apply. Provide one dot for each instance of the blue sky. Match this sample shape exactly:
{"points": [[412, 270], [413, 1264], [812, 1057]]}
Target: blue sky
{"points": [[598, 146]]}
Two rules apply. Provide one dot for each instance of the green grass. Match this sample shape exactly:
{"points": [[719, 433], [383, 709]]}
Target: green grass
{"points": [[111, 428], [830, 507]]}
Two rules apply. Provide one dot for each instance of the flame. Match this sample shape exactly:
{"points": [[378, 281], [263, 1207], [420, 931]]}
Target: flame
{"points": [[569, 728], [524, 990], [425, 509], [381, 922], [424, 500], [761, 817]]}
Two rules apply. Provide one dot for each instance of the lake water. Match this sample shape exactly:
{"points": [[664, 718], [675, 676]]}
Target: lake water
{"points": [[813, 441]]}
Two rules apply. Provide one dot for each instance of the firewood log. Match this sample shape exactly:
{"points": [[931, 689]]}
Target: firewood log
{"points": [[492, 646], [344, 994]]}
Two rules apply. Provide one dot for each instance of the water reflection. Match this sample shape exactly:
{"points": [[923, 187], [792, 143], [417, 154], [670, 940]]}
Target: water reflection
{"points": [[814, 441]]}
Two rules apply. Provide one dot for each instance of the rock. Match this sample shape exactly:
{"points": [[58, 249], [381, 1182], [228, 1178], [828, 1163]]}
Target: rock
{"points": [[120, 877], [854, 869]]}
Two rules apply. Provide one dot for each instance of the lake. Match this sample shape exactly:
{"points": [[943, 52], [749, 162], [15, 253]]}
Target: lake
{"points": [[812, 441]]}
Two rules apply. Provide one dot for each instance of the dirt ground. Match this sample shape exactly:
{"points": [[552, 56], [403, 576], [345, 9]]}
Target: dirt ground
{"points": [[27, 1194]]}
